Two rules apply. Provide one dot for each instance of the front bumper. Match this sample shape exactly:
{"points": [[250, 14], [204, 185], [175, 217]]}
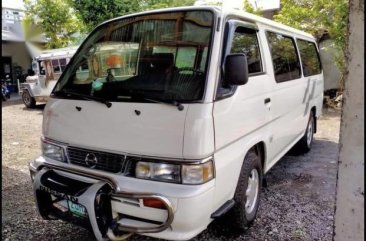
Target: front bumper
{"points": [[182, 218]]}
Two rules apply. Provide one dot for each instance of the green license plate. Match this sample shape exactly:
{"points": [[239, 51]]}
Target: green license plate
{"points": [[77, 209]]}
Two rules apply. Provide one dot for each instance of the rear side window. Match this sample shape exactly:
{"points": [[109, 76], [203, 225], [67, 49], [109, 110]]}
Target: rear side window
{"points": [[309, 57], [245, 41], [284, 57]]}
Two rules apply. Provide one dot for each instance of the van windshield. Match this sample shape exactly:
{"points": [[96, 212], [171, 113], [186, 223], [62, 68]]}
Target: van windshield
{"points": [[158, 56]]}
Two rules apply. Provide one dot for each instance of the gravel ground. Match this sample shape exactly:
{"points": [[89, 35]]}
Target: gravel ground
{"points": [[298, 203]]}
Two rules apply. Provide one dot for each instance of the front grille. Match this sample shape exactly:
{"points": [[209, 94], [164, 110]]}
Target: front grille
{"points": [[109, 162]]}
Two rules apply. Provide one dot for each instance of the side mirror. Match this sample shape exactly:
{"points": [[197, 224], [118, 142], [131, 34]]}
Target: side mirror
{"points": [[236, 69]]}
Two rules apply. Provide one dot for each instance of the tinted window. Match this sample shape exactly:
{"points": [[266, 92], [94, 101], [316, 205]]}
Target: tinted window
{"points": [[245, 41], [284, 57], [309, 57]]}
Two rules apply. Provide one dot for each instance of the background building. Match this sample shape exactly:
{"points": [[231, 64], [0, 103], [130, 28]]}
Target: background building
{"points": [[17, 52]]}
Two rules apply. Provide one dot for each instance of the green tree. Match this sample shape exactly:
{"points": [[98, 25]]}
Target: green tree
{"points": [[94, 12], [156, 4], [317, 17], [55, 18], [250, 9]]}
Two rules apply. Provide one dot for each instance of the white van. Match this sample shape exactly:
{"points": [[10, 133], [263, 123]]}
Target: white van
{"points": [[165, 120], [47, 68]]}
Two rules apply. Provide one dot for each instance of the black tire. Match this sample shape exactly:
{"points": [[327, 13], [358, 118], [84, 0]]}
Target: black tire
{"points": [[28, 100], [3, 97], [305, 143], [241, 218]]}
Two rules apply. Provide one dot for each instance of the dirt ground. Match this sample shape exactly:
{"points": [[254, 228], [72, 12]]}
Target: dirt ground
{"points": [[298, 203]]}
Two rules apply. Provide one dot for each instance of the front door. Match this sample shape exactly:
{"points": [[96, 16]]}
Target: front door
{"points": [[241, 113]]}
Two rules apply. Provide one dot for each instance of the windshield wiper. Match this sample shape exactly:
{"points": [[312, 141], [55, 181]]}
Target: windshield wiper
{"points": [[173, 102], [86, 97]]}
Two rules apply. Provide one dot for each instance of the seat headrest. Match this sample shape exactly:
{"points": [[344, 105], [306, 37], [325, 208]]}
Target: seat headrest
{"points": [[161, 61]]}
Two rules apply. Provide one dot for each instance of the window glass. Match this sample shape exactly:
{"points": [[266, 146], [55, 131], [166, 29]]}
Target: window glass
{"points": [[203, 59], [164, 49], [156, 56], [309, 57], [41, 68], [63, 64], [56, 66], [186, 57], [245, 41], [284, 57]]}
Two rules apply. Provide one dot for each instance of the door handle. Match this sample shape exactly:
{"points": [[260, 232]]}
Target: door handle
{"points": [[267, 100]]}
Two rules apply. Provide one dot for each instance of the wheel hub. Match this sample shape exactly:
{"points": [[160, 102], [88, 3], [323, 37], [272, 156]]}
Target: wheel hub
{"points": [[252, 191], [309, 132]]}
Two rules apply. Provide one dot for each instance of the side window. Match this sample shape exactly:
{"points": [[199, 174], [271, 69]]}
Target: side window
{"points": [[203, 59], [245, 41], [186, 57], [56, 66], [42, 70], [63, 64], [309, 57], [284, 57]]}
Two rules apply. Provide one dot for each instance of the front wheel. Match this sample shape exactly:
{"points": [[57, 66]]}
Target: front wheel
{"points": [[247, 194], [28, 100]]}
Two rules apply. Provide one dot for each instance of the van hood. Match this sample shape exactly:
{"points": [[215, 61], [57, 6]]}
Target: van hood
{"points": [[149, 129]]}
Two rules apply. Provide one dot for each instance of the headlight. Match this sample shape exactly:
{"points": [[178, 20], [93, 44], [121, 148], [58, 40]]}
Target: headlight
{"points": [[158, 171], [53, 151], [184, 173]]}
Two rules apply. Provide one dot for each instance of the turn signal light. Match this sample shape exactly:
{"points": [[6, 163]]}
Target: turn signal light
{"points": [[154, 203]]}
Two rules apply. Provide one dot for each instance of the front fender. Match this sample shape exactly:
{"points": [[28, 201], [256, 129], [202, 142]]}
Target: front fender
{"points": [[32, 88]]}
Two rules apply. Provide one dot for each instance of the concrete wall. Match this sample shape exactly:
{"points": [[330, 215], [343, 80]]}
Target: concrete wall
{"points": [[349, 218], [19, 54], [332, 74]]}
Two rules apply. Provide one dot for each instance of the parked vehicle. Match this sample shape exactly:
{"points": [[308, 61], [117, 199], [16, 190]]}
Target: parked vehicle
{"points": [[47, 68], [168, 119], [5, 93]]}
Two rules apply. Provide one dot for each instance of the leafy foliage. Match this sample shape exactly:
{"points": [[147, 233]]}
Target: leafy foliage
{"points": [[318, 17], [250, 9], [155, 4], [55, 18], [94, 12]]}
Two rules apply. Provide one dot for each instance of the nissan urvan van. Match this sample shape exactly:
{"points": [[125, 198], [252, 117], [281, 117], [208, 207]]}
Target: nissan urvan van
{"points": [[168, 119]]}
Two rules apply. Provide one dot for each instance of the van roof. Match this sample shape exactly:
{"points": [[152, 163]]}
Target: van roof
{"points": [[57, 53], [224, 13]]}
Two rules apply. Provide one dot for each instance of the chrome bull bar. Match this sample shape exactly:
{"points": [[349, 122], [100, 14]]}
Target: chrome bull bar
{"points": [[89, 202]]}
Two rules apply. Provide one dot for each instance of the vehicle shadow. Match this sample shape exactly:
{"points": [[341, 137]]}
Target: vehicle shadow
{"points": [[36, 108], [20, 102], [298, 186]]}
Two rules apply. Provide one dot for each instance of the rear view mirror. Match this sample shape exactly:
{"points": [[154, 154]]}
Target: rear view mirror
{"points": [[236, 69]]}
